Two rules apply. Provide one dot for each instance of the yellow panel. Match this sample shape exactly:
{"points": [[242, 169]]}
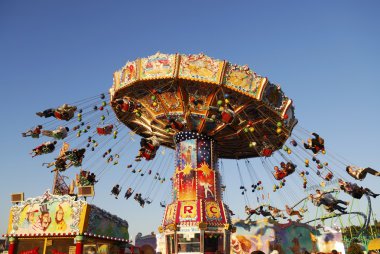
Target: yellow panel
{"points": [[116, 79], [45, 244], [200, 67], [374, 244], [157, 66], [213, 210], [129, 74], [83, 223], [189, 211], [10, 222], [261, 85]]}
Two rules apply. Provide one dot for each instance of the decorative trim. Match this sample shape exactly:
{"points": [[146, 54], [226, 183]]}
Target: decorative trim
{"points": [[188, 135]]}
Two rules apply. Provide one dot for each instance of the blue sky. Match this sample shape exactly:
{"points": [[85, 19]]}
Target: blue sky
{"points": [[324, 54]]}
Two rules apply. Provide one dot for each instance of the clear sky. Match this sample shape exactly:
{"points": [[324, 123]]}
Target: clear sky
{"points": [[324, 54]]}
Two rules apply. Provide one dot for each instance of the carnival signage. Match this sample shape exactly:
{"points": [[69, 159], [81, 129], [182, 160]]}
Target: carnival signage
{"points": [[188, 229], [189, 211], [47, 214]]}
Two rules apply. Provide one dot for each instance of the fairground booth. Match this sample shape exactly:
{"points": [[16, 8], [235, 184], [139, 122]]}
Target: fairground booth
{"points": [[286, 238], [61, 224]]}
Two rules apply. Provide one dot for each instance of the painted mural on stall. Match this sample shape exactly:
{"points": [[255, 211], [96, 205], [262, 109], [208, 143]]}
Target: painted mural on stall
{"points": [[292, 238], [47, 214], [102, 222]]}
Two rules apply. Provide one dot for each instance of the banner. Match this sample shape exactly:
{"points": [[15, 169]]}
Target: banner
{"points": [[47, 214]]}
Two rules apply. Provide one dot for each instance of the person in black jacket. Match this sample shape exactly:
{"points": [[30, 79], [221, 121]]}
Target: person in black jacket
{"points": [[316, 144]]}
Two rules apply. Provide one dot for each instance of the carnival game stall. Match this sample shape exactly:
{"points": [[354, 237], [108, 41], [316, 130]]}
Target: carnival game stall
{"points": [[59, 224]]}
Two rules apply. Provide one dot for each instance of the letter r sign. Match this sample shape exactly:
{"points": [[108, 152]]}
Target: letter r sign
{"points": [[188, 209]]}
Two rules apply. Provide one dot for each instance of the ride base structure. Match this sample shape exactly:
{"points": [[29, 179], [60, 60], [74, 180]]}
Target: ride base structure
{"points": [[197, 220]]}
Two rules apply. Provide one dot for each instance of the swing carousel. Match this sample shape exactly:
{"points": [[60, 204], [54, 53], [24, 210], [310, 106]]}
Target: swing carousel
{"points": [[195, 114], [205, 109]]}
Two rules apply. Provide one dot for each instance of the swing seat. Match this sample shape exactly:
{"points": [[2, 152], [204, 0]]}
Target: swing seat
{"points": [[289, 171], [106, 130], [279, 175], [227, 117], [46, 149], [267, 152], [58, 115], [329, 176], [127, 107], [357, 195], [62, 116], [150, 147], [35, 135], [149, 154]]}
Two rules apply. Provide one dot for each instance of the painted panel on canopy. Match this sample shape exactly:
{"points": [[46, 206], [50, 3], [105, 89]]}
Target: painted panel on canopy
{"points": [[260, 83], [47, 214], [200, 67], [158, 66], [240, 78], [275, 97], [128, 74]]}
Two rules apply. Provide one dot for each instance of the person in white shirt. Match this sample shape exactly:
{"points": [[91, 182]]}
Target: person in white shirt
{"points": [[361, 173]]}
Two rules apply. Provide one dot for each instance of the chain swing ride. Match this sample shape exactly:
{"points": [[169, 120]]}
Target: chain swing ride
{"points": [[192, 110]]}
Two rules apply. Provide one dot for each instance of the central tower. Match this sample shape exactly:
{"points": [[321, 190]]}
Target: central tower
{"points": [[196, 220]]}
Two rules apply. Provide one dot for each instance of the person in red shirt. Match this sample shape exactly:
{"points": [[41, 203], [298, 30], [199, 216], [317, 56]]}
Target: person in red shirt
{"points": [[34, 133], [44, 148]]}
